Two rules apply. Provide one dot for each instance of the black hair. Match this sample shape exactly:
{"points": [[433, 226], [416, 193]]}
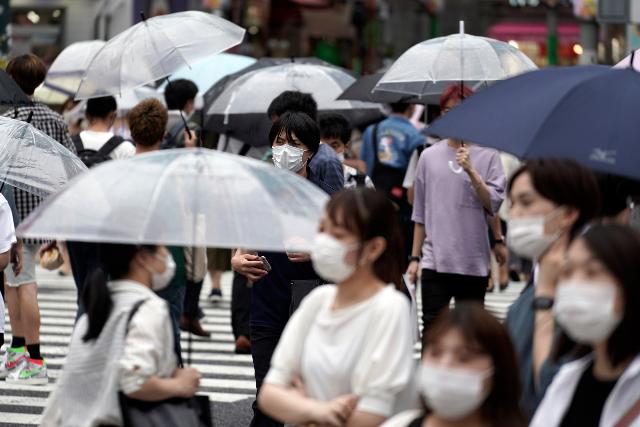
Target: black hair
{"points": [[618, 248], [334, 125], [100, 108], [567, 183], [367, 214], [399, 107], [179, 92], [293, 101], [300, 125], [615, 190], [480, 329], [115, 261]]}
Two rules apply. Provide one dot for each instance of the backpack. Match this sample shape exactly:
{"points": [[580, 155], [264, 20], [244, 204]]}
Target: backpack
{"points": [[92, 157]]}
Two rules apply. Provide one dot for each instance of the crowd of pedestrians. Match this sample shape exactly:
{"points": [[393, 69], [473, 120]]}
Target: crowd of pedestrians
{"points": [[330, 331]]}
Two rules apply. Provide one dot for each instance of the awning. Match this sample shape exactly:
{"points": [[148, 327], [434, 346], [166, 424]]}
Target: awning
{"points": [[568, 33]]}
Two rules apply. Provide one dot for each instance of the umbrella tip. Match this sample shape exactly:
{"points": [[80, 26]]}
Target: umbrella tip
{"points": [[142, 16], [30, 117], [633, 55], [461, 27]]}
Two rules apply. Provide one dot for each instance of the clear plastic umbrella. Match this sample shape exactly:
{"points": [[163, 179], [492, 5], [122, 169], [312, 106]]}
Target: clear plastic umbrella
{"points": [[185, 197], [67, 69], [254, 91], [33, 161], [427, 68], [155, 48]]}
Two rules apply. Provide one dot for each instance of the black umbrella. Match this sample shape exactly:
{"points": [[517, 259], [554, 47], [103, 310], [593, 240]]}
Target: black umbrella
{"points": [[362, 90], [10, 92]]}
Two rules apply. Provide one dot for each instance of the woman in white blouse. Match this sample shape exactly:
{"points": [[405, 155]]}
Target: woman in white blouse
{"points": [[112, 352], [346, 353]]}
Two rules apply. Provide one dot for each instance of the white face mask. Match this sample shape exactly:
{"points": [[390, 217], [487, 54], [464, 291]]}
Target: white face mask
{"points": [[288, 157], [340, 157], [586, 310], [160, 281], [526, 236], [328, 257], [453, 393]]}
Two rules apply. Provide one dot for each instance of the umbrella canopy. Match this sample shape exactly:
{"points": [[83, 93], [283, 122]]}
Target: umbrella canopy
{"points": [[254, 91], [184, 197], [33, 161], [362, 90], [209, 71], [587, 113], [154, 49], [10, 92], [67, 69], [427, 68], [243, 104]]}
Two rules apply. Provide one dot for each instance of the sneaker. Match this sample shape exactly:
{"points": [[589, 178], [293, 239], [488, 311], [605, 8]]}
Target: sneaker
{"points": [[11, 359], [215, 295], [30, 372]]}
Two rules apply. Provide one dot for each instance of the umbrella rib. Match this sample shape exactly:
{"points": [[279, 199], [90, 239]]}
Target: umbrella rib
{"points": [[121, 61]]}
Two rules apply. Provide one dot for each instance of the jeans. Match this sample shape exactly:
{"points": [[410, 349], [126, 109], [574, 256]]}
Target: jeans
{"points": [[264, 340], [240, 306], [439, 288]]}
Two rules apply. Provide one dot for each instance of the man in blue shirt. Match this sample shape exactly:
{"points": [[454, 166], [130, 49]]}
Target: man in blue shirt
{"points": [[395, 140], [386, 149]]}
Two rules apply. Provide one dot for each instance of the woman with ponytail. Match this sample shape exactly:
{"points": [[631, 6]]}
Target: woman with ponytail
{"points": [[124, 342]]}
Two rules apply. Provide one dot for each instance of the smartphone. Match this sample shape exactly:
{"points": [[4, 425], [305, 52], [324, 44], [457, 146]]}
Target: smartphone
{"points": [[265, 263]]}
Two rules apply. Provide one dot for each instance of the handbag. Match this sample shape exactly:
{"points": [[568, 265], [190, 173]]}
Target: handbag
{"points": [[179, 412]]}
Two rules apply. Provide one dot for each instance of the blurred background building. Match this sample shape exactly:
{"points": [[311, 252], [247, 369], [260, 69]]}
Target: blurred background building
{"points": [[362, 35]]}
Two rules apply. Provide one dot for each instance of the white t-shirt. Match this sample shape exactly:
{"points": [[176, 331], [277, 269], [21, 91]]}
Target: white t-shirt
{"points": [[365, 349], [92, 140], [7, 229]]}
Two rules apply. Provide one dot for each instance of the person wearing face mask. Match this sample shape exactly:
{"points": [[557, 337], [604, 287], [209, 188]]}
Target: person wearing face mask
{"points": [[597, 306], [468, 375], [346, 353], [123, 344], [295, 139], [457, 188], [551, 203], [335, 131]]}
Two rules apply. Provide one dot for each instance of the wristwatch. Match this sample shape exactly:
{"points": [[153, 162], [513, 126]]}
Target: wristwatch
{"points": [[542, 303], [414, 258]]}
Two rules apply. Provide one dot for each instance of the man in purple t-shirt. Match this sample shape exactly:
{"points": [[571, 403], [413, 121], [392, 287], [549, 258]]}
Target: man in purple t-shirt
{"points": [[459, 187]]}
